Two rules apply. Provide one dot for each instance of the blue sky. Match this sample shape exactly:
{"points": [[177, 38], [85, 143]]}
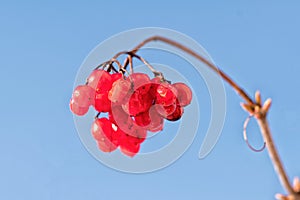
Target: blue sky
{"points": [[43, 45]]}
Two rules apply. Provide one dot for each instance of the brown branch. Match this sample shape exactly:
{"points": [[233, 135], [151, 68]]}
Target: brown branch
{"points": [[252, 106], [278, 166]]}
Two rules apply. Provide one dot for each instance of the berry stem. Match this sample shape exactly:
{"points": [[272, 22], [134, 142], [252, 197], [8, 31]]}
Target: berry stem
{"points": [[261, 113]]}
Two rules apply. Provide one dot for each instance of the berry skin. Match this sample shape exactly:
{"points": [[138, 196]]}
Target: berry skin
{"points": [[121, 119], [115, 77], [143, 119], [119, 91], [165, 111], [166, 94], [130, 149], [102, 103], [103, 132], [129, 145], [150, 120], [176, 115], [138, 103], [184, 94], [157, 122], [100, 80], [140, 82], [83, 96], [80, 111]]}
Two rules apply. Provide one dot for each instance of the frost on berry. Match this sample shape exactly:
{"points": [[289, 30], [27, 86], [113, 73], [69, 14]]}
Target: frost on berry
{"points": [[184, 94]]}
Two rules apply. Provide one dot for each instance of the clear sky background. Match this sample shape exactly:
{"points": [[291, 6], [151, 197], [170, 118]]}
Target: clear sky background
{"points": [[42, 45]]}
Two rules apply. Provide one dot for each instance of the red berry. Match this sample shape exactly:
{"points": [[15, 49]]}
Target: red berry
{"points": [[119, 91], [154, 83], [100, 80], [176, 115], [150, 120], [143, 119], [184, 94], [140, 82], [78, 110], [83, 96], [157, 122], [106, 137], [138, 103], [115, 77], [130, 149], [165, 111], [165, 94], [129, 145], [102, 103], [119, 117]]}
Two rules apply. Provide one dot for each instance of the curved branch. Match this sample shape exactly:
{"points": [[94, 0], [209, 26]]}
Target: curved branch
{"points": [[255, 105]]}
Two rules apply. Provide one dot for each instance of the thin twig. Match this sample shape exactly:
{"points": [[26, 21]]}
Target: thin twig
{"points": [[238, 89], [261, 113]]}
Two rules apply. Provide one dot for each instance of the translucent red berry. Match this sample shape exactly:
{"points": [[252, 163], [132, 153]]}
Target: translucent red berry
{"points": [[130, 149], [100, 80], [103, 132], [176, 115], [119, 117], [115, 77], [184, 94], [150, 120], [140, 82], [143, 119], [102, 103], [78, 110], [157, 122], [138, 103], [83, 96], [130, 145], [165, 111], [119, 91], [165, 94]]}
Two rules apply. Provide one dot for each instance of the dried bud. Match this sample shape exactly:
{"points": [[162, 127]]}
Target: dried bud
{"points": [[296, 184], [258, 97], [280, 197], [267, 105]]}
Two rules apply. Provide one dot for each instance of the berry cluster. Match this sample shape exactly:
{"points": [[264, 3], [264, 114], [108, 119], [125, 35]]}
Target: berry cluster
{"points": [[135, 104]]}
